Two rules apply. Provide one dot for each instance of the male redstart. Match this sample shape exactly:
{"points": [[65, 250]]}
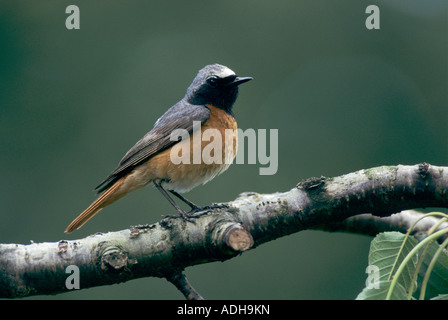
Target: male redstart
{"points": [[208, 101]]}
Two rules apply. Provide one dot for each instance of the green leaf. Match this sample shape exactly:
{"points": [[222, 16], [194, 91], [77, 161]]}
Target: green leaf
{"points": [[387, 251], [440, 297], [438, 281], [380, 292]]}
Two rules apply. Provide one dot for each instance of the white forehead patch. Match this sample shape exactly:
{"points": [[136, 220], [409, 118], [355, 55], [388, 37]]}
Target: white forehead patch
{"points": [[225, 72]]}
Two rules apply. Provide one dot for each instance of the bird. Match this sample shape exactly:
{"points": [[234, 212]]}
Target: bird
{"points": [[209, 102]]}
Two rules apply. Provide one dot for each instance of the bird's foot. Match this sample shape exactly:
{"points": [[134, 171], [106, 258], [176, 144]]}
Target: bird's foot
{"points": [[197, 211]]}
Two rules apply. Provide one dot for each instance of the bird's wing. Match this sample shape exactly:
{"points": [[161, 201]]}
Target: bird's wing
{"points": [[180, 116]]}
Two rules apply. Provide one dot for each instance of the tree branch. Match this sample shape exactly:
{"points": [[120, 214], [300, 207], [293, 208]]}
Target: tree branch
{"points": [[166, 248], [371, 225], [180, 282]]}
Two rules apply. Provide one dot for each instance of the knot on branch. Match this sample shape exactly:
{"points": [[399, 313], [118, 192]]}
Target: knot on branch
{"points": [[230, 237], [423, 170], [311, 183], [237, 238], [114, 259]]}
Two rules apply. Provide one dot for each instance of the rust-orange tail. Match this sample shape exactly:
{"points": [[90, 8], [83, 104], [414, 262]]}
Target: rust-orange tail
{"points": [[109, 196]]}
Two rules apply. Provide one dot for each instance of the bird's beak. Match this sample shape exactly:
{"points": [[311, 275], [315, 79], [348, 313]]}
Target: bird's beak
{"points": [[239, 80]]}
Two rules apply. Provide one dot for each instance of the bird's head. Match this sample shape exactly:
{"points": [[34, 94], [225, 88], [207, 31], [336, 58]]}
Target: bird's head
{"points": [[217, 85]]}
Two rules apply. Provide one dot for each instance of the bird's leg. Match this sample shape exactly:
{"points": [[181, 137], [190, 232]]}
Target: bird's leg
{"points": [[182, 213], [195, 208]]}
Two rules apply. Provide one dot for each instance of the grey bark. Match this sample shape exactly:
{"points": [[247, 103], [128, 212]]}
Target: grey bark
{"points": [[166, 248]]}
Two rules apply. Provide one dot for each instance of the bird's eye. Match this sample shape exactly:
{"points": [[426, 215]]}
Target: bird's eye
{"points": [[213, 82]]}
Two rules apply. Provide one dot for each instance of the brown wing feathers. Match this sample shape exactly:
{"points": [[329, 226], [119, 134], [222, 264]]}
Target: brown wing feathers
{"points": [[182, 116]]}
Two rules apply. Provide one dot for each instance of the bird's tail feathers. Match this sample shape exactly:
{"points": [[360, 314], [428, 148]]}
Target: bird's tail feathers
{"points": [[109, 196]]}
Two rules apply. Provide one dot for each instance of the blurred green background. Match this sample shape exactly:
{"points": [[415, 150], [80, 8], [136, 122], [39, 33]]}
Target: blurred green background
{"points": [[343, 98]]}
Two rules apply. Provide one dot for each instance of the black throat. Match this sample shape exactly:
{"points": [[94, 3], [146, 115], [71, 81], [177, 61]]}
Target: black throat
{"points": [[223, 99]]}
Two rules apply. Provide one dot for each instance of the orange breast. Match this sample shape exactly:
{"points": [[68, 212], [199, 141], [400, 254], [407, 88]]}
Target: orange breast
{"points": [[183, 177]]}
